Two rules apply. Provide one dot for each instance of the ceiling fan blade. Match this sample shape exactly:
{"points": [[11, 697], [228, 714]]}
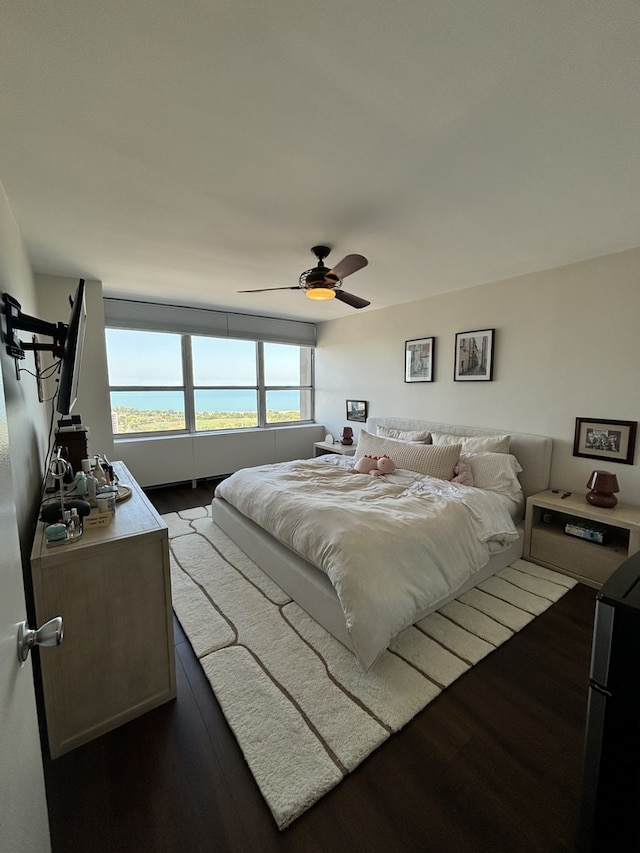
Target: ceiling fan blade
{"points": [[348, 265], [350, 299], [264, 289]]}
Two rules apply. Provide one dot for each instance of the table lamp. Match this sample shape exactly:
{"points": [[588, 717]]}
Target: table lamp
{"points": [[603, 484], [347, 436]]}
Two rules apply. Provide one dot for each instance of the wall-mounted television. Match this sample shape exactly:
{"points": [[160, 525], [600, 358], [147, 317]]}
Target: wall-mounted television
{"points": [[67, 342], [72, 353]]}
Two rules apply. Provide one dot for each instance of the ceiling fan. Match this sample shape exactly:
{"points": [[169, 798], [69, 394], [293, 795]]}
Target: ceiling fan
{"points": [[324, 283]]}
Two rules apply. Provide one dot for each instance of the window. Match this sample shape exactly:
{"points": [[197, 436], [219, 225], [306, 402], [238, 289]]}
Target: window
{"points": [[221, 365], [146, 378], [172, 383], [287, 383]]}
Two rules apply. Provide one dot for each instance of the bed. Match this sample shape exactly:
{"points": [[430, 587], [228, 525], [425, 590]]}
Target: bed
{"points": [[390, 549]]}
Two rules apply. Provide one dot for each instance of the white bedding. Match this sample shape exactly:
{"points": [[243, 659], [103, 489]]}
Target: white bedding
{"points": [[392, 546]]}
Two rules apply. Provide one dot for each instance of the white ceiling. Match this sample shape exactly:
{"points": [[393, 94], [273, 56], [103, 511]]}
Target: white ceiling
{"points": [[188, 150]]}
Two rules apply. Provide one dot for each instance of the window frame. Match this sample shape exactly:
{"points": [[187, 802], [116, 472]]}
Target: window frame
{"points": [[188, 388]]}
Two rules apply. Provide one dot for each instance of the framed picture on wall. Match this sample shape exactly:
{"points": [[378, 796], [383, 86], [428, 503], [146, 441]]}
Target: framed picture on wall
{"points": [[474, 356], [613, 441], [357, 411], [418, 360]]}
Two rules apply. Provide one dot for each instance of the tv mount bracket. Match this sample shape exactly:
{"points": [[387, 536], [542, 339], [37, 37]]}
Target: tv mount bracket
{"points": [[16, 319]]}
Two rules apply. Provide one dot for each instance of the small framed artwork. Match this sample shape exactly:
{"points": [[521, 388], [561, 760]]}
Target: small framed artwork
{"points": [[357, 411], [474, 356], [418, 360], [613, 441]]}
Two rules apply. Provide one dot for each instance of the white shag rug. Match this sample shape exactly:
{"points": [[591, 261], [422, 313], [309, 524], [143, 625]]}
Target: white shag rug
{"points": [[301, 708]]}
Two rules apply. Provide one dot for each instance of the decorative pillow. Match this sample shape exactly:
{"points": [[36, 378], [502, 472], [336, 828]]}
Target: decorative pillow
{"points": [[425, 459], [474, 443], [496, 472], [463, 472], [416, 436]]}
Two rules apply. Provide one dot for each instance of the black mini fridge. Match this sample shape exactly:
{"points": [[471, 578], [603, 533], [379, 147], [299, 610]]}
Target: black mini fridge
{"points": [[610, 815]]}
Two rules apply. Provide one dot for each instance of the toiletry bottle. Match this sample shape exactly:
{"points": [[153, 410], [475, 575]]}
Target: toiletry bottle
{"points": [[98, 473], [92, 488], [81, 484], [75, 521]]}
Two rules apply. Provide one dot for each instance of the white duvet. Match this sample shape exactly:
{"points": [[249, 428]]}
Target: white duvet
{"points": [[392, 546]]}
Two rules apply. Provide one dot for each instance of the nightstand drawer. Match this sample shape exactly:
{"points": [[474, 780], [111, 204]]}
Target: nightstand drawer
{"points": [[551, 546]]}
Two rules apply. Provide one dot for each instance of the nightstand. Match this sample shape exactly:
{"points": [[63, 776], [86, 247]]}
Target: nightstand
{"points": [[321, 447], [546, 543]]}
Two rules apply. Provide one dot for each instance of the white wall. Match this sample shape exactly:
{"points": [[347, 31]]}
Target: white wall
{"points": [[26, 418], [566, 347]]}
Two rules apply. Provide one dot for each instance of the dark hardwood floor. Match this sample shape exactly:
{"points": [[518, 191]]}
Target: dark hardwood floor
{"points": [[493, 764]]}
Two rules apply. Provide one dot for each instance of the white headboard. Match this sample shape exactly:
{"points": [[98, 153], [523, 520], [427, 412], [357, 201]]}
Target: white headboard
{"points": [[533, 452]]}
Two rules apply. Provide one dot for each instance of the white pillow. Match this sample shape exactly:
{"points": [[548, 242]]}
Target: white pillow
{"points": [[497, 472], [416, 436], [425, 459], [474, 443]]}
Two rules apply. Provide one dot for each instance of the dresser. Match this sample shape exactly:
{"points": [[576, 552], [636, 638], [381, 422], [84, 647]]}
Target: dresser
{"points": [[112, 588]]}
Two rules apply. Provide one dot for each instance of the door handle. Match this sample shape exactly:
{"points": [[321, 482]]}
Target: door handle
{"points": [[49, 634]]}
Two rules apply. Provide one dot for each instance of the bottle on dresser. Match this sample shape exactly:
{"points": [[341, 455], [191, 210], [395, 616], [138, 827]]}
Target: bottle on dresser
{"points": [[98, 472], [81, 484], [92, 483]]}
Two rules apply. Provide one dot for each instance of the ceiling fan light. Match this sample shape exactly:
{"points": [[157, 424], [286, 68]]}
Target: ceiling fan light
{"points": [[320, 293]]}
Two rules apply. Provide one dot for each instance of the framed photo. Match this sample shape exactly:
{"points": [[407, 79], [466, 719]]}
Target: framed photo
{"points": [[357, 411], [418, 360], [474, 356], [613, 441]]}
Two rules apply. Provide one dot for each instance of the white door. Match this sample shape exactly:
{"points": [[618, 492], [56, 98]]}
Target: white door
{"points": [[24, 825]]}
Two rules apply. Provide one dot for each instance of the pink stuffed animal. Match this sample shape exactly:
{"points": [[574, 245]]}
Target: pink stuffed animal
{"points": [[365, 465], [385, 466], [374, 465]]}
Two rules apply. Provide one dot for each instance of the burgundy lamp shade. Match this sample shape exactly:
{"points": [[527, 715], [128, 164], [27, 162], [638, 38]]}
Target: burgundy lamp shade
{"points": [[347, 436], [603, 484]]}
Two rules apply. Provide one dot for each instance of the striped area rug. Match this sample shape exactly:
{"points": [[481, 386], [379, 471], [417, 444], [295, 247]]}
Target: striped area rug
{"points": [[301, 708]]}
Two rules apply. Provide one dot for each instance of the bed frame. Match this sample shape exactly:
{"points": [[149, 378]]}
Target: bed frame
{"points": [[312, 589]]}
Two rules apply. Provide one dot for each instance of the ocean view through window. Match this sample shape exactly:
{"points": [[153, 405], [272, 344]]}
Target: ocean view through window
{"points": [[172, 383]]}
